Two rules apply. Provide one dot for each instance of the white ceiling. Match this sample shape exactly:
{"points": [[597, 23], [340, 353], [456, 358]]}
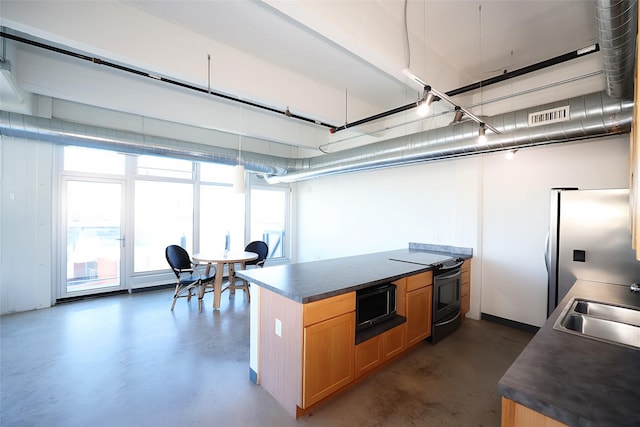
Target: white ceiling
{"points": [[477, 39], [334, 61]]}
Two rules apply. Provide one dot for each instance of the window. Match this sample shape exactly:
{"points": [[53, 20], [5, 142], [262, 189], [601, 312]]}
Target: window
{"points": [[213, 172], [162, 201], [268, 215], [166, 167], [90, 160], [163, 216], [221, 212]]}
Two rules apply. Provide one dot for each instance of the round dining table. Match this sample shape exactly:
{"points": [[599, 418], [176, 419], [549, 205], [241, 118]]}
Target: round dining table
{"points": [[220, 258]]}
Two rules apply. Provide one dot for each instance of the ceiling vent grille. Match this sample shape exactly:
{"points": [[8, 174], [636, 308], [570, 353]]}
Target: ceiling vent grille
{"points": [[554, 115]]}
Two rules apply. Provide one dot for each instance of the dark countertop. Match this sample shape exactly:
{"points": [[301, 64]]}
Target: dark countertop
{"points": [[311, 281], [576, 380]]}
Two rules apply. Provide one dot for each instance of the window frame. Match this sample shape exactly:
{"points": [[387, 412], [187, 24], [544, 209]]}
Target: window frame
{"points": [[139, 280]]}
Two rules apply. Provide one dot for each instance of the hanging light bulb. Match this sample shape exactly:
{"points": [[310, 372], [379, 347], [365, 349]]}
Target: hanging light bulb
{"points": [[482, 138], [238, 179], [510, 154]]}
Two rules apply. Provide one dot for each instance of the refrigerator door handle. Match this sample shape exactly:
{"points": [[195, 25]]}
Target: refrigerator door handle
{"points": [[547, 254]]}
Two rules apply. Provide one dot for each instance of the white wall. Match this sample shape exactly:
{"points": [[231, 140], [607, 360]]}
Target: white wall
{"points": [[516, 217], [26, 262], [496, 206]]}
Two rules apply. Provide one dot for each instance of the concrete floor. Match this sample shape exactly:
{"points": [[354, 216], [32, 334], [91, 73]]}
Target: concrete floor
{"points": [[128, 360]]}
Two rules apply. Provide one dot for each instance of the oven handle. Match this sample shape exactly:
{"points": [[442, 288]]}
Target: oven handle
{"points": [[458, 264], [449, 321], [458, 273]]}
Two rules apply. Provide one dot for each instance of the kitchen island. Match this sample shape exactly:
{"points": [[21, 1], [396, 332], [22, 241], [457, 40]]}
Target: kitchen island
{"points": [[303, 335], [564, 379]]}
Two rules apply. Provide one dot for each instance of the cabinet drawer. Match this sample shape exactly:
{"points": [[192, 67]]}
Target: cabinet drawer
{"points": [[327, 308], [418, 281]]}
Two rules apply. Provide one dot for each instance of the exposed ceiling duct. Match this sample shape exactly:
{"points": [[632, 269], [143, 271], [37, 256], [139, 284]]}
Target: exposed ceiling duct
{"points": [[589, 116], [617, 25], [67, 133]]}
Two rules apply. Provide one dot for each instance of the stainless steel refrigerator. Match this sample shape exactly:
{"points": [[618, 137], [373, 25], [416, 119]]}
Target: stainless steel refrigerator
{"points": [[589, 239]]}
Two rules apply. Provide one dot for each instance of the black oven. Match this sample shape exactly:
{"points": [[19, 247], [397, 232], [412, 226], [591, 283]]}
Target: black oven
{"points": [[446, 300]]}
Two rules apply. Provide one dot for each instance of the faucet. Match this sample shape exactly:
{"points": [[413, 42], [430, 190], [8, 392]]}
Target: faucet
{"points": [[635, 287]]}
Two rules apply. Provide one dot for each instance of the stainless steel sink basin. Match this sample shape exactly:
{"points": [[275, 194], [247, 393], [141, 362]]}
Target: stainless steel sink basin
{"points": [[601, 321]]}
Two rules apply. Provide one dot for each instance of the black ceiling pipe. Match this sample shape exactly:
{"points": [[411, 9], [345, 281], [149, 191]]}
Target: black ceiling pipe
{"points": [[493, 80], [141, 73]]}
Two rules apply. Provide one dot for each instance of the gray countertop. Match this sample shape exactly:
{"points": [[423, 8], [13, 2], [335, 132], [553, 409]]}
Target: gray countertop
{"points": [[576, 380], [311, 281]]}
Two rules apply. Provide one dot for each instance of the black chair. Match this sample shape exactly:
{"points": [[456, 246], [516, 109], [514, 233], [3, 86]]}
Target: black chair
{"points": [[188, 277], [259, 247]]}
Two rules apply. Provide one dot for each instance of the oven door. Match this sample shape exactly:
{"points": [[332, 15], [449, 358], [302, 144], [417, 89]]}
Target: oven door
{"points": [[446, 304]]}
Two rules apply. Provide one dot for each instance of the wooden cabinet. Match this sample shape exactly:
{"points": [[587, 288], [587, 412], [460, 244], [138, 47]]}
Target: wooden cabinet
{"points": [[328, 357], [307, 352], [373, 352], [328, 347], [368, 355], [465, 293], [394, 341], [418, 301], [517, 415]]}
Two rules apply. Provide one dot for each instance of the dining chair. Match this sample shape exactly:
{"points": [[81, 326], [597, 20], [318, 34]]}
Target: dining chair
{"points": [[259, 247], [187, 275]]}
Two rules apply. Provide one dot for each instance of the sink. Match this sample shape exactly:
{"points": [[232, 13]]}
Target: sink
{"points": [[601, 321]]}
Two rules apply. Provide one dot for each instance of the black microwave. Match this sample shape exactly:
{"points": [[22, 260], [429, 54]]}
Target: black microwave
{"points": [[374, 305]]}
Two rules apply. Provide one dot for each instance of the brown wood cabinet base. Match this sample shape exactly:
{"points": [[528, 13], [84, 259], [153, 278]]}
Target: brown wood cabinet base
{"points": [[517, 415]]}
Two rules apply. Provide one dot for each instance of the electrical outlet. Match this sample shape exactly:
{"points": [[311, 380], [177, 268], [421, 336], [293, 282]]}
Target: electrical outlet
{"points": [[278, 327]]}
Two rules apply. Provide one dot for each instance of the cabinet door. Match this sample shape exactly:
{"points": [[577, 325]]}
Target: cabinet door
{"points": [[418, 314], [465, 284], [394, 341], [328, 355], [517, 415], [368, 355]]}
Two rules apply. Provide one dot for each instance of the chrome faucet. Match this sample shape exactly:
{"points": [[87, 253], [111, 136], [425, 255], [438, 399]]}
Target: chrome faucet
{"points": [[635, 287]]}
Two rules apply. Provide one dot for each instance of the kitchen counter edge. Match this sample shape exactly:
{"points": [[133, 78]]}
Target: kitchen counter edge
{"points": [[316, 280], [577, 380]]}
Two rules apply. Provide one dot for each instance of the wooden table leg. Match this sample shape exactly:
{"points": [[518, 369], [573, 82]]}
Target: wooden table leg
{"points": [[217, 285], [232, 279]]}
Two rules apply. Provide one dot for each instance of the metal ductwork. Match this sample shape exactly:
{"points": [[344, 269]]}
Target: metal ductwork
{"points": [[617, 26], [590, 116], [67, 133]]}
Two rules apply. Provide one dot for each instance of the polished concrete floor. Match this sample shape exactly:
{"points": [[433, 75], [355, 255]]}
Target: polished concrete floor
{"points": [[127, 360]]}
